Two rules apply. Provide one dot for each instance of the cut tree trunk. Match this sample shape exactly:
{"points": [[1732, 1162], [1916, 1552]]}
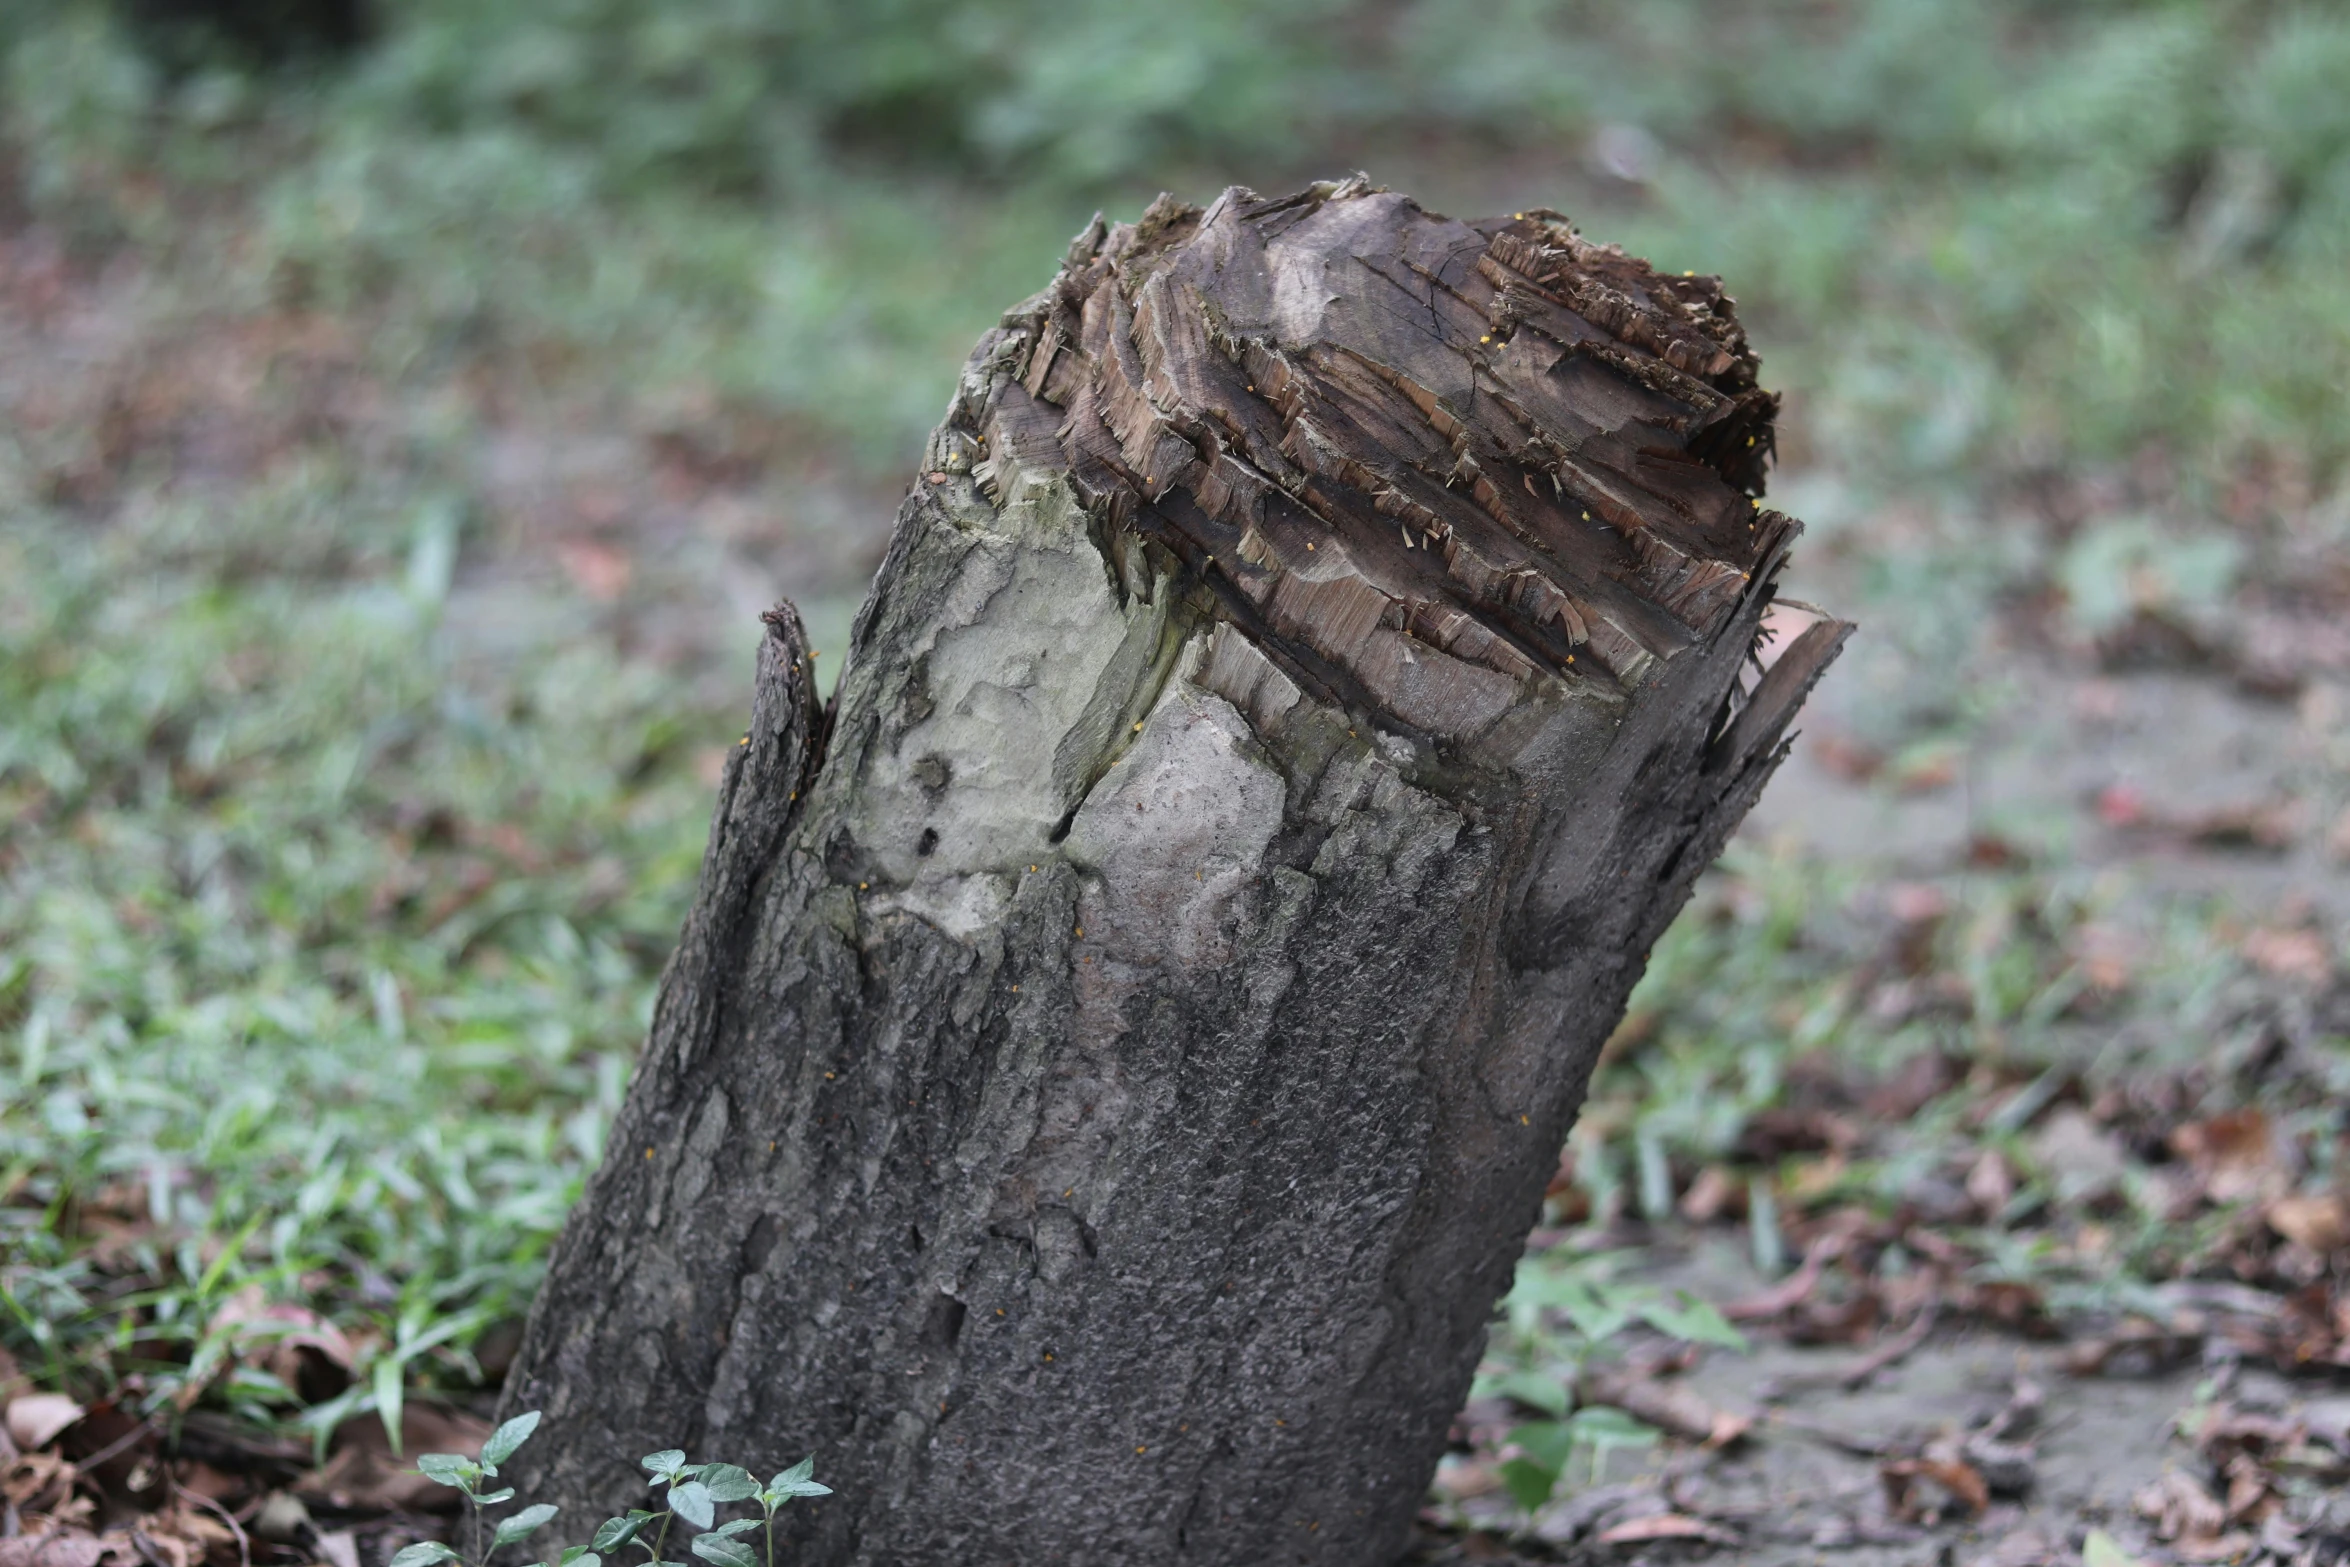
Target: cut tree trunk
{"points": [[1116, 1056]]}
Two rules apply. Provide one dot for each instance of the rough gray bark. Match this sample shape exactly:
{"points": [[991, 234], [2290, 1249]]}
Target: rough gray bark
{"points": [[1106, 1082]]}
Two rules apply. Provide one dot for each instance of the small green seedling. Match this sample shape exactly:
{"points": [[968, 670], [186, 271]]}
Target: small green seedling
{"points": [[466, 1475], [695, 1493]]}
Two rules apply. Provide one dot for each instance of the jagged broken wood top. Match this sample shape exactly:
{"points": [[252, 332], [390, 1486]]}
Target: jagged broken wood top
{"points": [[1418, 461]]}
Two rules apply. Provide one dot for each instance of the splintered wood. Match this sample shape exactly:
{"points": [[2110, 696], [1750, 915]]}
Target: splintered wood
{"points": [[1417, 461]]}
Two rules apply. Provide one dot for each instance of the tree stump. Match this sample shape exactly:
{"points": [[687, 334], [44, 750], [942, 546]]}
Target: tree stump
{"points": [[1115, 1057]]}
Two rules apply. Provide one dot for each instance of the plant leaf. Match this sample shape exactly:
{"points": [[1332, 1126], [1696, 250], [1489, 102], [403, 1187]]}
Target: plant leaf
{"points": [[1534, 1389], [579, 1556], [729, 1483], [794, 1482], [724, 1551], [2102, 1550], [613, 1533], [666, 1463], [1546, 1442], [1698, 1321], [424, 1553], [692, 1501], [508, 1437], [1528, 1482], [453, 1469], [389, 1395], [525, 1523], [1603, 1427], [734, 1526], [493, 1498]]}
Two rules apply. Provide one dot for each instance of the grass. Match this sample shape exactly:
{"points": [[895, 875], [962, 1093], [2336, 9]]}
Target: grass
{"points": [[329, 921], [324, 956]]}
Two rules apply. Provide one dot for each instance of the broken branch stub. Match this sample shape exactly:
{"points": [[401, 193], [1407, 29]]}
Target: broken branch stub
{"points": [[1111, 1067]]}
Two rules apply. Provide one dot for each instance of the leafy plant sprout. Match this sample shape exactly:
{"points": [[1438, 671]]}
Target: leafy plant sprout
{"points": [[465, 1475], [695, 1492]]}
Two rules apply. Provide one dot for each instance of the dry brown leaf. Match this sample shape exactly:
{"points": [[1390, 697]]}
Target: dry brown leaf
{"points": [[1672, 1407], [1990, 1185], [2234, 1154], [37, 1482], [2181, 1508], [599, 570], [270, 1335], [1792, 1290], [364, 1475], [1955, 1476], [216, 1485], [2303, 956], [2321, 1223], [37, 1419], [2247, 1488], [1666, 1526], [1461, 1478], [2084, 1159], [1716, 1193], [68, 1549]]}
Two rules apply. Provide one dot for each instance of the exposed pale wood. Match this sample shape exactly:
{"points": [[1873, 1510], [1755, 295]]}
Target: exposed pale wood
{"points": [[1109, 1074]]}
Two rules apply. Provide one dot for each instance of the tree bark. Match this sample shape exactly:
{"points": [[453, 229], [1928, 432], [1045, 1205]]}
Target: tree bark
{"points": [[1111, 1066]]}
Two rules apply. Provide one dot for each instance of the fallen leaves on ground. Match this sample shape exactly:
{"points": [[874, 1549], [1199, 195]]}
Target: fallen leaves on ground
{"points": [[99, 1487]]}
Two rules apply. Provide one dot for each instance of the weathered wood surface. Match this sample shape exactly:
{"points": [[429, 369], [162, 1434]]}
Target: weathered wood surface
{"points": [[1106, 1081]]}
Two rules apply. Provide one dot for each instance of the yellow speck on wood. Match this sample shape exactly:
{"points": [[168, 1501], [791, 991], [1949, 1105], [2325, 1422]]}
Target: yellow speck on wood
{"points": [[828, 1077], [648, 1153], [1522, 1121], [1142, 1449], [860, 886]]}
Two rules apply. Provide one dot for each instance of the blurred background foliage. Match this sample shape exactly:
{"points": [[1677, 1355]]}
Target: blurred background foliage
{"points": [[2016, 233], [342, 835]]}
